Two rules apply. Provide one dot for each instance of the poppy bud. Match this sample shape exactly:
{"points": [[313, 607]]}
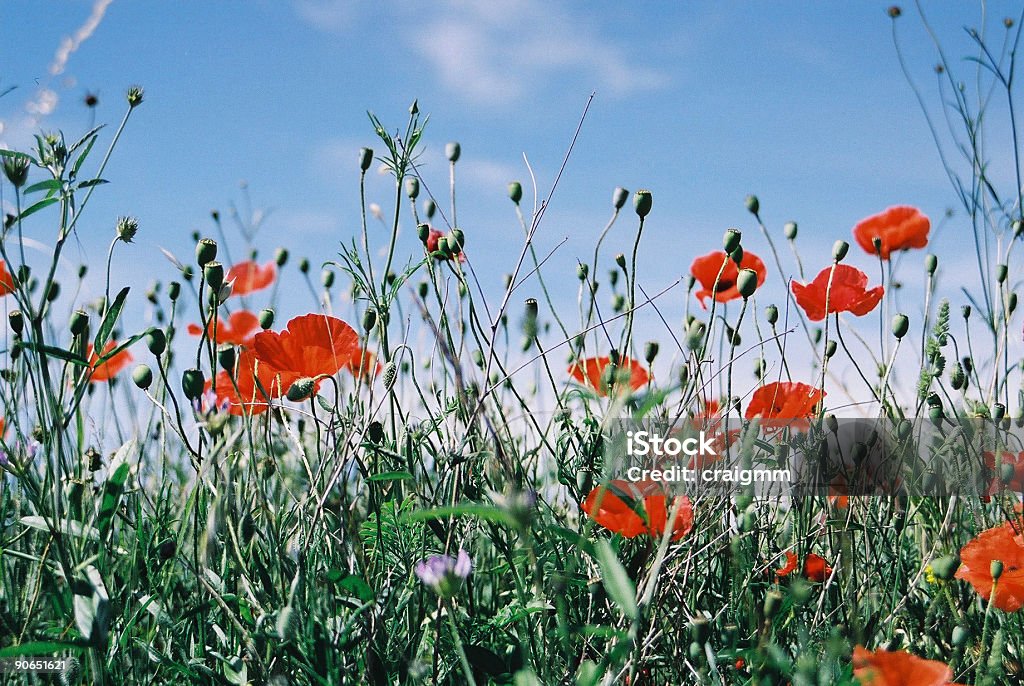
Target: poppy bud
{"points": [[192, 382], [369, 319], [830, 349], [839, 250], [960, 635], [772, 604], [1008, 22], [79, 322], [54, 292], [876, 243], [642, 202], [266, 318], [173, 290], [16, 170], [456, 241], [790, 230], [327, 278], [700, 630], [753, 204], [281, 257], [453, 151], [423, 289], [935, 414], [900, 325], [423, 232], [390, 375], [894, 11], [206, 251], [142, 376], [945, 567], [746, 282], [695, 334], [684, 375], [931, 263], [737, 255], [581, 271], [1001, 272], [613, 276], [620, 260], [156, 341], [301, 389], [304, 265], [515, 191], [771, 313], [17, 321], [619, 196], [996, 569], [412, 187], [696, 652], [213, 272], [619, 303], [478, 358], [429, 208], [83, 269], [731, 240], [226, 357], [1011, 302], [365, 158], [998, 411], [651, 351], [831, 422], [531, 308]]}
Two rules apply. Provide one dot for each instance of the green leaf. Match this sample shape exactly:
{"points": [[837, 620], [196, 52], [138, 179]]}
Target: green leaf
{"points": [[485, 661], [38, 648], [41, 205], [581, 542], [89, 183], [68, 527], [353, 583], [391, 476], [47, 185], [110, 319], [13, 154], [53, 351], [114, 487], [616, 581]]}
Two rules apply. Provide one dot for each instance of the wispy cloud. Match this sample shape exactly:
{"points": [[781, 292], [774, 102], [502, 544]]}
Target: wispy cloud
{"points": [[331, 16]]}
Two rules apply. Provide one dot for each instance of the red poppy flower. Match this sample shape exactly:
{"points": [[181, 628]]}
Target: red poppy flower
{"points": [[255, 386], [601, 375], [849, 293], [1016, 482], [898, 668], [998, 543], [239, 329], [632, 509], [705, 269], [815, 567], [710, 420], [7, 284], [312, 345], [108, 369], [784, 403], [364, 364], [432, 238], [249, 277], [898, 228]]}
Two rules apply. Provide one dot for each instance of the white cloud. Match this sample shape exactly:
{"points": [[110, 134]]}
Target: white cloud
{"points": [[331, 16]]}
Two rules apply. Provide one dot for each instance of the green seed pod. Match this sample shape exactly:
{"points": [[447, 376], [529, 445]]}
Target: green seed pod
{"points": [[452, 151], [839, 250], [478, 358], [830, 349], [945, 567], [17, 321], [142, 376], [79, 322], [696, 653], [771, 313], [905, 429], [456, 241], [737, 255], [369, 320], [226, 357], [831, 423], [996, 569], [301, 389], [54, 292], [531, 308], [619, 197], [423, 289], [753, 204], [935, 414], [619, 303], [998, 411], [684, 375], [365, 158], [281, 257], [1011, 302], [931, 263], [83, 269], [390, 375], [327, 278], [156, 341], [266, 318], [651, 351], [960, 636], [515, 191], [620, 260], [613, 276], [1001, 272], [790, 230], [429, 208], [412, 187], [642, 203], [695, 334], [423, 233], [700, 629], [304, 266], [582, 270], [731, 240], [213, 272], [173, 290], [746, 282], [206, 251], [192, 383], [900, 325]]}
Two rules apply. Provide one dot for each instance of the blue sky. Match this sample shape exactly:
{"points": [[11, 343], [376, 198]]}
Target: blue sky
{"points": [[702, 102]]}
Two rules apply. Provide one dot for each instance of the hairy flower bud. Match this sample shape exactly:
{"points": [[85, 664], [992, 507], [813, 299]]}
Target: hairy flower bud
{"points": [[304, 266], [127, 227], [16, 169], [301, 389], [390, 375]]}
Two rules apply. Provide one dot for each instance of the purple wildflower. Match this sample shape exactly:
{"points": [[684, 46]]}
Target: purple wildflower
{"points": [[444, 574]]}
